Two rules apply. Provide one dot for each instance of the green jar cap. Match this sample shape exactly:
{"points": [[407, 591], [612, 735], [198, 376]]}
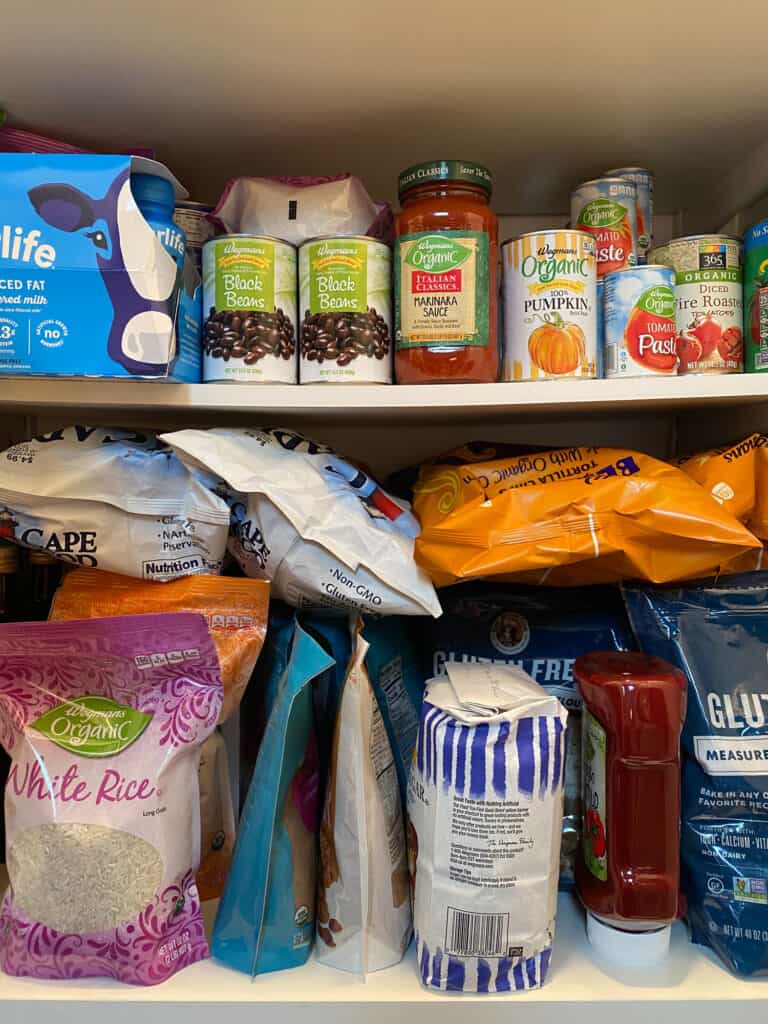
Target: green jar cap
{"points": [[445, 170]]}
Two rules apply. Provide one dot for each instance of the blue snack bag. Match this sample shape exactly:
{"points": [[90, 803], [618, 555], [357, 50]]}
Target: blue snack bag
{"points": [[718, 635], [266, 918], [541, 630]]}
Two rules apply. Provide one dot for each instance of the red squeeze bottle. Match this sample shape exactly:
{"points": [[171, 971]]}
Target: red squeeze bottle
{"points": [[628, 870]]}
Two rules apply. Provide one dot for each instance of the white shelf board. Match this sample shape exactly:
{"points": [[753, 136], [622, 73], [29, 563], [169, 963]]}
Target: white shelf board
{"points": [[396, 403], [690, 985]]}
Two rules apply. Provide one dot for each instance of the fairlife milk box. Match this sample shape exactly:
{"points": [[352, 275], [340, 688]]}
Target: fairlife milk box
{"points": [[86, 285], [485, 803]]}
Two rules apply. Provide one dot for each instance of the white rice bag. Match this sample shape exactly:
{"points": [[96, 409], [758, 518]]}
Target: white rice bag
{"points": [[318, 528], [113, 499], [363, 898], [485, 804]]}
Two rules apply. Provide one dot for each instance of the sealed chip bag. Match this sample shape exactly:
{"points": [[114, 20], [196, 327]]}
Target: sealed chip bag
{"points": [[718, 635], [363, 904], [321, 530], [266, 917], [572, 516], [737, 477], [485, 803], [103, 719], [236, 613], [113, 499]]}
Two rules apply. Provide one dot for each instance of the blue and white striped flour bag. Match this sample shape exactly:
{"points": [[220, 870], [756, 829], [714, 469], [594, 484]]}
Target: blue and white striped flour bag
{"points": [[485, 803]]}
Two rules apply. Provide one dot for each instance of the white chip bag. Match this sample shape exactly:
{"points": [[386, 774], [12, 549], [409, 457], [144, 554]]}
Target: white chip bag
{"points": [[319, 528], [485, 803], [113, 499]]}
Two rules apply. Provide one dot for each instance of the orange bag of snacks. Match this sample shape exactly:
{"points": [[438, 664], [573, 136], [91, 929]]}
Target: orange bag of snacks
{"points": [[236, 612], [737, 477], [573, 516]]}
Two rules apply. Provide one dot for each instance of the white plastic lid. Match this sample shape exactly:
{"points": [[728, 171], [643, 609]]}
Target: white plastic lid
{"points": [[628, 949]]}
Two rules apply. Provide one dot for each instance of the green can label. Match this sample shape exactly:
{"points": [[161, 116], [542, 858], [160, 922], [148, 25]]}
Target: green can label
{"points": [[338, 276], [442, 289], [595, 836], [756, 298]]}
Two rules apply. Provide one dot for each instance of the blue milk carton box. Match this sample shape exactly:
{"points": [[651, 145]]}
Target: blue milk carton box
{"points": [[86, 285]]}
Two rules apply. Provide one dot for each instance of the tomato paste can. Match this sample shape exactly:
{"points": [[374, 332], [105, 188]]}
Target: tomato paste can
{"points": [[550, 305], [644, 181], [607, 209], [756, 298], [708, 287], [639, 322]]}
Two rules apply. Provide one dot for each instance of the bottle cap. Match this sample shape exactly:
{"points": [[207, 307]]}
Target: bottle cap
{"points": [[9, 558], [445, 170], [629, 949], [41, 558], [149, 188]]}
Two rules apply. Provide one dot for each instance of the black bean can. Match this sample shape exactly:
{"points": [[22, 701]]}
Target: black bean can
{"points": [[345, 306], [249, 309]]}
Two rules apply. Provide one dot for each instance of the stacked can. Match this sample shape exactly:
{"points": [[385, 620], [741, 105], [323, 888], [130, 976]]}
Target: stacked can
{"points": [[643, 180], [192, 218], [639, 322], [607, 209]]}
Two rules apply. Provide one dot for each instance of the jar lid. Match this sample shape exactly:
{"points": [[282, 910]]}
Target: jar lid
{"points": [[151, 188], [41, 558], [9, 558], [445, 170]]}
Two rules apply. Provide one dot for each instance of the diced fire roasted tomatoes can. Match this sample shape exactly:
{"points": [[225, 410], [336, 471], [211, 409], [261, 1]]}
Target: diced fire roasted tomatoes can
{"points": [[708, 289], [550, 305], [607, 209], [639, 322]]}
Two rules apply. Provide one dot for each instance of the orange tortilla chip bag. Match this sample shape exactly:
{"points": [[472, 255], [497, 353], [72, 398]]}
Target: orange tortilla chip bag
{"points": [[737, 477], [572, 516]]}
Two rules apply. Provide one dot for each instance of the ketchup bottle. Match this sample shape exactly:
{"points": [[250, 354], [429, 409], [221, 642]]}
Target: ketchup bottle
{"points": [[628, 870]]}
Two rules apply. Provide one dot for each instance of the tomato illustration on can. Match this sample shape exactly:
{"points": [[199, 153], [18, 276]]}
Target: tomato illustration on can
{"points": [[607, 209], [639, 329]]}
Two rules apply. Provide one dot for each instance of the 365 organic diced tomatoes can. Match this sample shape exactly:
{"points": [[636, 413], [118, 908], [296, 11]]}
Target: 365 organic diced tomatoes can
{"points": [[708, 288], [607, 209], [639, 322], [550, 305]]}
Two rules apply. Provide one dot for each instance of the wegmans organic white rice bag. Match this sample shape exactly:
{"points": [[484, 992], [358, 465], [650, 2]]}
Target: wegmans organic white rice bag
{"points": [[320, 529], [113, 499], [485, 803]]}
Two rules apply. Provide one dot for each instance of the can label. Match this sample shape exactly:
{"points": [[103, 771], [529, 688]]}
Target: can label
{"points": [[194, 224], [639, 323], [249, 301], [595, 836], [644, 182], [708, 286], [607, 209], [346, 312], [442, 293], [756, 298], [550, 300]]}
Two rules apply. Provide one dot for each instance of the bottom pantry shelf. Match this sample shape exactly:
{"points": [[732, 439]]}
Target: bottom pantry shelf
{"points": [[689, 986]]}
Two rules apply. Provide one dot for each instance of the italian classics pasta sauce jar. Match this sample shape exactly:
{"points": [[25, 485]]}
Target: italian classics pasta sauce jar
{"points": [[446, 261]]}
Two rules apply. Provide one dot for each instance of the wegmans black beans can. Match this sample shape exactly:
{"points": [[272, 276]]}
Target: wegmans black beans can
{"points": [[345, 303], [249, 310]]}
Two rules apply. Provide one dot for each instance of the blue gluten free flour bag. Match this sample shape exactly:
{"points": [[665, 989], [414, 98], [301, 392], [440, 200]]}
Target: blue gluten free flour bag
{"points": [[541, 630], [718, 634]]}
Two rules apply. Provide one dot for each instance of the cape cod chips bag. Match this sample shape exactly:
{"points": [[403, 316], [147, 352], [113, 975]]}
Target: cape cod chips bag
{"points": [[103, 719], [572, 516]]}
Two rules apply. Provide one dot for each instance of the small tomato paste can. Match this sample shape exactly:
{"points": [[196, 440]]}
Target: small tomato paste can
{"points": [[639, 322], [607, 209], [249, 310], [756, 298], [345, 304], [550, 305], [644, 182], [192, 218], [708, 287]]}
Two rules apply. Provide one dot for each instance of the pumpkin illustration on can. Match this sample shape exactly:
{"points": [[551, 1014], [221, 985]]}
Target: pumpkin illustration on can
{"points": [[550, 305]]}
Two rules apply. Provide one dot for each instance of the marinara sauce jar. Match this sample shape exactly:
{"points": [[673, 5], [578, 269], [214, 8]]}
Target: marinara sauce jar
{"points": [[446, 266], [628, 871]]}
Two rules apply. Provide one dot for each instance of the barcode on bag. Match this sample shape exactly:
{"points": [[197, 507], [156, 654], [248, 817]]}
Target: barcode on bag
{"points": [[469, 934]]}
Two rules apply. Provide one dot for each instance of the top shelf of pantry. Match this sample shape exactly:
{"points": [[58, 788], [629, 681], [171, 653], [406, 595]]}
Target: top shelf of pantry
{"points": [[370, 403], [544, 94]]}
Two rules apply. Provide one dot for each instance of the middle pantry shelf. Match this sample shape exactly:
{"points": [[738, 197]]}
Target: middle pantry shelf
{"points": [[404, 403]]}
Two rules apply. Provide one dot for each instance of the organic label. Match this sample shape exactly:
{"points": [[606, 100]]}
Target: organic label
{"points": [[650, 331], [92, 726], [441, 289], [245, 275], [601, 213], [338, 272], [595, 837]]}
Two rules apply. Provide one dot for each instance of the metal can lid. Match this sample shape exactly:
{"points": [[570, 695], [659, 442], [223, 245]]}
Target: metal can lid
{"points": [[345, 237], [445, 170], [711, 237], [601, 181], [190, 204], [547, 231], [639, 267], [617, 172], [251, 238]]}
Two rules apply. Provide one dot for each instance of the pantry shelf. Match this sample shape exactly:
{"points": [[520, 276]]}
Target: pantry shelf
{"points": [[580, 989], [369, 402]]}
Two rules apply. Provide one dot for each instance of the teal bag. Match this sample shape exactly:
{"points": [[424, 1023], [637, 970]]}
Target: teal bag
{"points": [[266, 917]]}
